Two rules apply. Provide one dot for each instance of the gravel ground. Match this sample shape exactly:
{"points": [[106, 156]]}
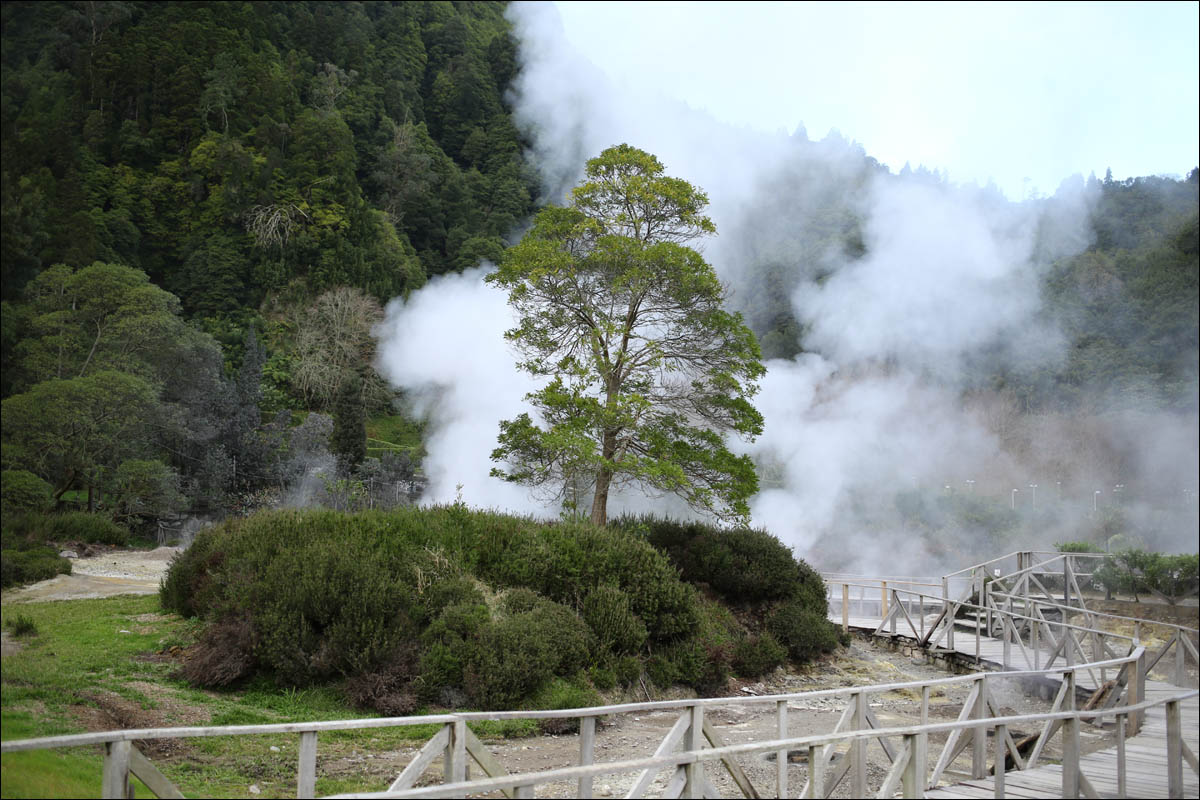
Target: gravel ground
{"points": [[103, 574]]}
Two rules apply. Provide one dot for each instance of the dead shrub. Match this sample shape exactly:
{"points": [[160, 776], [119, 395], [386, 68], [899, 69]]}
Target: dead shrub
{"points": [[388, 688], [224, 655]]}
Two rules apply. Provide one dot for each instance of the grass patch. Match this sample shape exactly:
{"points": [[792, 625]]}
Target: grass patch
{"points": [[397, 433], [81, 666]]}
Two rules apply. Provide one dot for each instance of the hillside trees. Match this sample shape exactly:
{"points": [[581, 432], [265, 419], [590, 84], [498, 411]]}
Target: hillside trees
{"points": [[647, 372]]}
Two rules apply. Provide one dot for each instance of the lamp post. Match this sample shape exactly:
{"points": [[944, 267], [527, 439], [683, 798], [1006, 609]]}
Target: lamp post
{"points": [[1013, 503], [1033, 503], [1120, 487], [970, 486], [1095, 499], [1059, 485]]}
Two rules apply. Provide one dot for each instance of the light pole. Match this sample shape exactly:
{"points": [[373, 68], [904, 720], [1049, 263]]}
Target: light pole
{"points": [[1120, 487], [970, 486], [1059, 485], [1095, 499], [1013, 503], [1033, 503]]}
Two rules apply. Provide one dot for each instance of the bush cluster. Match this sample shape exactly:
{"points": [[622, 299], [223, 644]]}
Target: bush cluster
{"points": [[459, 607], [29, 566]]}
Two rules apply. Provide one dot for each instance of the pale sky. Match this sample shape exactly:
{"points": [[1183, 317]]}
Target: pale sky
{"points": [[1024, 94]]}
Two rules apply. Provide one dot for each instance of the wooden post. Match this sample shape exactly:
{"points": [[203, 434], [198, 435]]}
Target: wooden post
{"points": [[1033, 642], [1121, 722], [1137, 687], [1180, 669], [454, 766], [924, 705], [999, 748], [587, 750], [946, 613], [694, 740], [115, 781], [816, 772], [858, 748], [845, 608], [1174, 751], [883, 599], [912, 780], [979, 733], [781, 756], [306, 775], [1070, 757]]}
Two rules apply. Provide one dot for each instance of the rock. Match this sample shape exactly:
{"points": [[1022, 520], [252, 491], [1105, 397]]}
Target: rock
{"points": [[274, 749], [68, 554], [123, 631], [254, 789]]}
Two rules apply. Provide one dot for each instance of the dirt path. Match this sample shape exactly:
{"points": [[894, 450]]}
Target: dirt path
{"points": [[102, 575]]}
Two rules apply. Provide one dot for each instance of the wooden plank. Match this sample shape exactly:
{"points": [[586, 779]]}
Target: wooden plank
{"points": [[115, 779], [148, 774], [669, 743], [484, 758], [421, 761], [587, 752], [731, 764], [306, 771]]}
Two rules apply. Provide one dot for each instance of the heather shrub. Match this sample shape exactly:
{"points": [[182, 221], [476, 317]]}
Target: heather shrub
{"points": [[80, 526], [801, 630], [32, 565], [224, 655], [21, 490], [755, 656], [609, 613]]}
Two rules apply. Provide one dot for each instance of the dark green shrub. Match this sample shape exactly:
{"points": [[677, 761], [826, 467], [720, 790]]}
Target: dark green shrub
{"points": [[562, 693], [521, 600], [517, 655], [628, 670], [80, 526], [757, 655], [802, 631], [21, 490], [450, 592], [684, 662], [609, 614], [190, 584], [602, 677], [744, 566], [29, 566], [448, 645]]}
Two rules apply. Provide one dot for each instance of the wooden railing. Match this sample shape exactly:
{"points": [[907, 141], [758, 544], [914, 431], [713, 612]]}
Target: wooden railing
{"points": [[692, 742]]}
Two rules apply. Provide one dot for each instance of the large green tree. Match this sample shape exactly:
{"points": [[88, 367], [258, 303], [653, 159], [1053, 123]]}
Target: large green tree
{"points": [[647, 371]]}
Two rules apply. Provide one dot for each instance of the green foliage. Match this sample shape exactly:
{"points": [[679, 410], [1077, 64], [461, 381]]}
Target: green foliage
{"points": [[29, 566], [755, 656], [21, 490], [609, 614], [744, 566], [21, 625], [80, 526], [1134, 571], [802, 631], [594, 286], [145, 488], [1078, 547], [349, 440]]}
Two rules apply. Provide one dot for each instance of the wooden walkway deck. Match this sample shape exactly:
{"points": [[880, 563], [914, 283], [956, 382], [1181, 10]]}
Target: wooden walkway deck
{"points": [[1145, 754]]}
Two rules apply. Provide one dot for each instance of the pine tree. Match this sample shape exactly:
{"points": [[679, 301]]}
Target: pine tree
{"points": [[349, 440]]}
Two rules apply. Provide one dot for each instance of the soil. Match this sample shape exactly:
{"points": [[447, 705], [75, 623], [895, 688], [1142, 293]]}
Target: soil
{"points": [[104, 573]]}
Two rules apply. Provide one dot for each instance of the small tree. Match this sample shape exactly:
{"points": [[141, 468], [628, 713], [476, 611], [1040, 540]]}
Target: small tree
{"points": [[647, 371], [349, 439]]}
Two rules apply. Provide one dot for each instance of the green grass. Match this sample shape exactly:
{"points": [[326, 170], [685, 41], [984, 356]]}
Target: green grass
{"points": [[395, 432], [81, 662]]}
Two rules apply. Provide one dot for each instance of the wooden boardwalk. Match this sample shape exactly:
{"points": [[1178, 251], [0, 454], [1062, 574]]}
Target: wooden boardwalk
{"points": [[1146, 754]]}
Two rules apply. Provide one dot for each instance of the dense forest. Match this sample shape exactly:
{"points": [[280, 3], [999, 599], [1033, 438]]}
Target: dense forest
{"points": [[205, 206]]}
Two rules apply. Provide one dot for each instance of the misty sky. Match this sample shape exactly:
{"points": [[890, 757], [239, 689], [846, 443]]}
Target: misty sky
{"points": [[1024, 94]]}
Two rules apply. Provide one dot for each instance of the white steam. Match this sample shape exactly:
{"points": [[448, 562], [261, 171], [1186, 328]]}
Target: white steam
{"points": [[948, 278]]}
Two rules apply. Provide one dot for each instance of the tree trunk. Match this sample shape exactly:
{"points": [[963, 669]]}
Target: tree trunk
{"points": [[91, 498], [600, 499]]}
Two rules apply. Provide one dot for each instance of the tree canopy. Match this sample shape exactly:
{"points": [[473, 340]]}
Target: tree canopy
{"points": [[647, 370]]}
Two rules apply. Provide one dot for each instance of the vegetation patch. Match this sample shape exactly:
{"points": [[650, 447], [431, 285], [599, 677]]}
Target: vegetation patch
{"points": [[469, 608]]}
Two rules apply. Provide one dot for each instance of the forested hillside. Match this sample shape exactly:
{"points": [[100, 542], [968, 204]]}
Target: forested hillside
{"points": [[204, 206]]}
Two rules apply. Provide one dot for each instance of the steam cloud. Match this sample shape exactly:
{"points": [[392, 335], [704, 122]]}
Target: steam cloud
{"points": [[949, 276]]}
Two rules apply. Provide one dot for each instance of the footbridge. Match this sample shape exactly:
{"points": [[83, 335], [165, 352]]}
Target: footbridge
{"points": [[1123, 718]]}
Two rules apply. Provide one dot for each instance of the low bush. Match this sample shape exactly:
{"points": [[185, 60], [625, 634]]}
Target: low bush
{"points": [[224, 655], [80, 526], [29, 566], [609, 613], [802, 631], [742, 565], [563, 693], [755, 656]]}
